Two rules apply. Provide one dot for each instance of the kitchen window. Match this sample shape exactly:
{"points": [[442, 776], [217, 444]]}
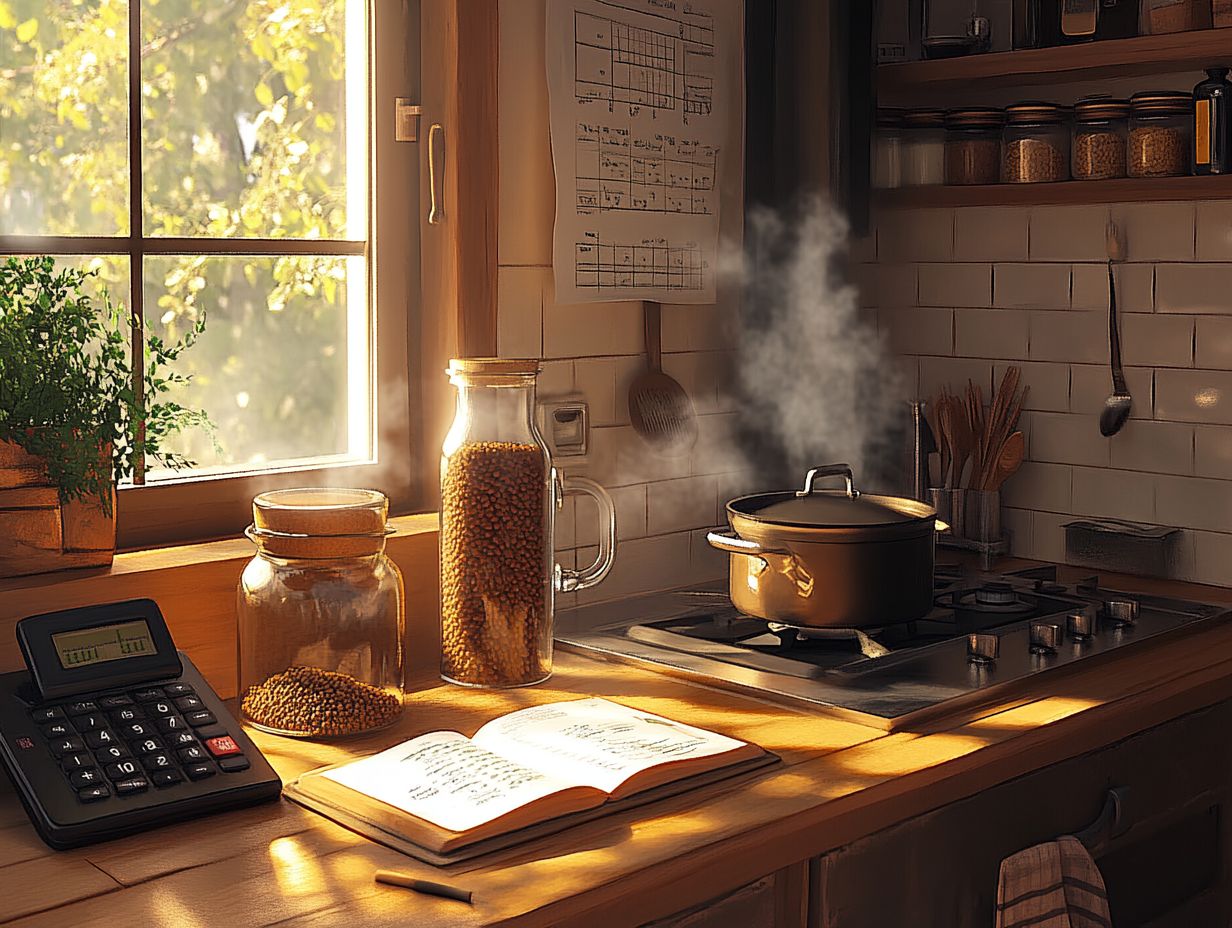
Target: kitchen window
{"points": [[218, 158]]}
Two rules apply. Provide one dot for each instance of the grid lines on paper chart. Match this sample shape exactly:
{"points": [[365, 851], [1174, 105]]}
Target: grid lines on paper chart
{"points": [[600, 266], [619, 63], [617, 171]]}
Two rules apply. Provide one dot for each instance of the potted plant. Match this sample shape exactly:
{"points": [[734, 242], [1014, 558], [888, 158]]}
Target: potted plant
{"points": [[71, 423]]}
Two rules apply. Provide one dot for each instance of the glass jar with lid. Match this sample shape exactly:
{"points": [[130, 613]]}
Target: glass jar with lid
{"points": [[973, 146], [499, 498], [887, 150], [1101, 129], [320, 616], [923, 160], [1159, 129], [1035, 145]]}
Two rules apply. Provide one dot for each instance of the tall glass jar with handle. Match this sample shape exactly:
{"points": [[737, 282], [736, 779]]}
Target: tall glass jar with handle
{"points": [[499, 499]]}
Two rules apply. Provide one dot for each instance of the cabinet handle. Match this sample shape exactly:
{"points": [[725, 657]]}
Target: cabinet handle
{"points": [[436, 212], [1111, 823]]}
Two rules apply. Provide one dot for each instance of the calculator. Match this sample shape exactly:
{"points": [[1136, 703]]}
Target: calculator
{"points": [[111, 731]]}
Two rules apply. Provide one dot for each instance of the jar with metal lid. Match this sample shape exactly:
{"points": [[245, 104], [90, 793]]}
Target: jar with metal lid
{"points": [[1035, 145], [1101, 129], [887, 150], [320, 615], [499, 498], [973, 146], [923, 159], [1159, 131]]}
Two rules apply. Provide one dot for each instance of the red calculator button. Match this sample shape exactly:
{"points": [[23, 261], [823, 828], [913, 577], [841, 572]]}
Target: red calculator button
{"points": [[222, 747]]}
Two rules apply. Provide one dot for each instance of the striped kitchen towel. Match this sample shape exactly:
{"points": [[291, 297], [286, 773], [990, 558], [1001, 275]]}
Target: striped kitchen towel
{"points": [[1052, 885]]}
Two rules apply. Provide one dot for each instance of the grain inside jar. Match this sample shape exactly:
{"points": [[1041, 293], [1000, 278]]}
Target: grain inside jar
{"points": [[1035, 144], [1100, 137], [1159, 128], [973, 146]]}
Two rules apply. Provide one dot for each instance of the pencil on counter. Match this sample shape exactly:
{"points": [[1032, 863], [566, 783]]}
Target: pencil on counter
{"points": [[427, 887]]}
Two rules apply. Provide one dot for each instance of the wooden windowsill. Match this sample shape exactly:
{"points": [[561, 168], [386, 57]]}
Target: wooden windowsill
{"points": [[194, 585]]}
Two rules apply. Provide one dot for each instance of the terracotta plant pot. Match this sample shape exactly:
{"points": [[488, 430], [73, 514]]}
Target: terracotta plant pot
{"points": [[37, 532]]}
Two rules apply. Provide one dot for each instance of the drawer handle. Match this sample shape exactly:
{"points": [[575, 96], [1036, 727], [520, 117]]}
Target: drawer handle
{"points": [[1111, 823]]}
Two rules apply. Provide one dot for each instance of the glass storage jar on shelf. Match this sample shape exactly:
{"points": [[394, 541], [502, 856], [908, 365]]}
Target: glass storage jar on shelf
{"points": [[320, 615], [499, 498], [887, 150], [973, 146], [923, 148], [1100, 136], [1159, 131], [1035, 144]]}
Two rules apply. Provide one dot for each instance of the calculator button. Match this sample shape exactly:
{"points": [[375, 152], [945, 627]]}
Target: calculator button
{"points": [[123, 769], [178, 689], [120, 716], [172, 724], [90, 776], [58, 730], [91, 721], [234, 764], [114, 702], [81, 708], [166, 777], [62, 746], [189, 703], [101, 739], [199, 771], [136, 730], [71, 762], [148, 694], [114, 752], [148, 746], [198, 719], [46, 715], [131, 785], [93, 793], [210, 731], [160, 707], [158, 761], [193, 754], [222, 747], [182, 739]]}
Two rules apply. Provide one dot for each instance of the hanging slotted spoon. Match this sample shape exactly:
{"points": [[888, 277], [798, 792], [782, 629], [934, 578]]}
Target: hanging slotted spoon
{"points": [[660, 410], [1119, 403]]}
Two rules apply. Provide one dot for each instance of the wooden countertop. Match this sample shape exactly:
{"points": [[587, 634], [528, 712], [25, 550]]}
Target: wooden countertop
{"points": [[838, 781]]}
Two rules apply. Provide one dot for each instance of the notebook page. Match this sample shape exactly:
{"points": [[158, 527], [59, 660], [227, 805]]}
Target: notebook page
{"points": [[447, 780], [595, 742]]}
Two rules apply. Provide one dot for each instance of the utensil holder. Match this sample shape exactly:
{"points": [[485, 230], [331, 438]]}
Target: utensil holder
{"points": [[982, 515], [950, 508]]}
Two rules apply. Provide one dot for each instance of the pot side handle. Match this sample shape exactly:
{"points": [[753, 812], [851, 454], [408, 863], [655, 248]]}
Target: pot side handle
{"points": [[734, 544]]}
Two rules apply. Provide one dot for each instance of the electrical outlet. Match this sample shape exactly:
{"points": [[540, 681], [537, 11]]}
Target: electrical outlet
{"points": [[565, 423]]}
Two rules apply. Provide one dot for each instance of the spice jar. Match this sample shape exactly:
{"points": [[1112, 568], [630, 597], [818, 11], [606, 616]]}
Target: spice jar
{"points": [[1212, 124], [973, 146], [320, 610], [923, 161], [887, 150], [1100, 134], [1035, 145], [1159, 126], [499, 498]]}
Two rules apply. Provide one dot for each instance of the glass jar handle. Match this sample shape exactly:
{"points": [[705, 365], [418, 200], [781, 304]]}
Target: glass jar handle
{"points": [[567, 579]]}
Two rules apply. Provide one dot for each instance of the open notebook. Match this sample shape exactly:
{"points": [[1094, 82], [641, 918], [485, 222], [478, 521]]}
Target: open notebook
{"points": [[442, 792]]}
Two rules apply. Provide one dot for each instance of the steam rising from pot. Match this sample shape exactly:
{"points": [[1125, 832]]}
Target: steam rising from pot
{"points": [[818, 384]]}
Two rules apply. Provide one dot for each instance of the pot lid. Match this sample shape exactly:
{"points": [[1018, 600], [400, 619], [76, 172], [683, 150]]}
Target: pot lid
{"points": [[848, 508]]}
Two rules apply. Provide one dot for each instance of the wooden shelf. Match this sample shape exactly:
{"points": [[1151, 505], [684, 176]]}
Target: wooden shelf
{"points": [[1129, 190], [1151, 54]]}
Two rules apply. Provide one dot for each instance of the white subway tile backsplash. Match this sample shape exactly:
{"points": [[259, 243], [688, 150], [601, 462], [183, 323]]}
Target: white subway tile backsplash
{"points": [[555, 379], [618, 456], [1157, 231], [1079, 336], [1017, 524], [677, 505], [1047, 384], [1031, 286], [915, 235], [705, 562], [1048, 535], [1039, 487], [590, 329], [1114, 494], [1213, 343], [1194, 396], [1090, 385], [953, 285], [1157, 340], [697, 372], [1158, 447], [862, 248], [919, 330], [1193, 288], [1062, 438], [1213, 451], [994, 233], [1069, 233], [1195, 502], [519, 301], [595, 379], [630, 503], [1135, 285], [953, 373], [990, 333], [1214, 231], [697, 328], [642, 565], [1212, 558]]}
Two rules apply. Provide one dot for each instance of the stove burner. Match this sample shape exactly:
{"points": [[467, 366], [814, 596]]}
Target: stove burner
{"points": [[994, 596], [850, 638]]}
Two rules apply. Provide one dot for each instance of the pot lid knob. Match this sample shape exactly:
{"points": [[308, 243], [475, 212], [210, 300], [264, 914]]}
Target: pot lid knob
{"points": [[830, 470]]}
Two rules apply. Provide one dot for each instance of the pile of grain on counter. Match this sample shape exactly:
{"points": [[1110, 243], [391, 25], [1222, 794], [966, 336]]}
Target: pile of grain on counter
{"points": [[493, 568], [319, 703]]}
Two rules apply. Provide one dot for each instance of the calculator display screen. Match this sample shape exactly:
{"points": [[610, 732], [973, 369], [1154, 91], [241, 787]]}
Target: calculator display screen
{"points": [[104, 643]]}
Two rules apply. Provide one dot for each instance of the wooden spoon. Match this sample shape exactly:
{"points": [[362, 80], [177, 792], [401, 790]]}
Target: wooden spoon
{"points": [[1008, 460]]}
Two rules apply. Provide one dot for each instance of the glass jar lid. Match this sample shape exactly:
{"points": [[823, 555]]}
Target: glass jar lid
{"points": [[924, 119], [1161, 103], [975, 118], [1031, 113], [319, 522], [493, 372], [1100, 109]]}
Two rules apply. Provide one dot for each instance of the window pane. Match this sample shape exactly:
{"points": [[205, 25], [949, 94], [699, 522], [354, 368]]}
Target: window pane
{"points": [[282, 369], [63, 117], [254, 118]]}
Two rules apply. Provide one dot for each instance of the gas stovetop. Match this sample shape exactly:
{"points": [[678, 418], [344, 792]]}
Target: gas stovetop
{"points": [[986, 633]]}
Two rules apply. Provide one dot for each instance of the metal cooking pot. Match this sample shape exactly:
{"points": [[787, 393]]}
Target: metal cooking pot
{"points": [[824, 558]]}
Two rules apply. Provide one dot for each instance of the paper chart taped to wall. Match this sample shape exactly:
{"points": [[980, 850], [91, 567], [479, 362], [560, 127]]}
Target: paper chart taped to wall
{"points": [[642, 94]]}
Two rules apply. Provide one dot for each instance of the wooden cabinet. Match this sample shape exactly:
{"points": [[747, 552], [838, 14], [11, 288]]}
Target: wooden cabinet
{"points": [[1172, 866], [775, 901]]}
